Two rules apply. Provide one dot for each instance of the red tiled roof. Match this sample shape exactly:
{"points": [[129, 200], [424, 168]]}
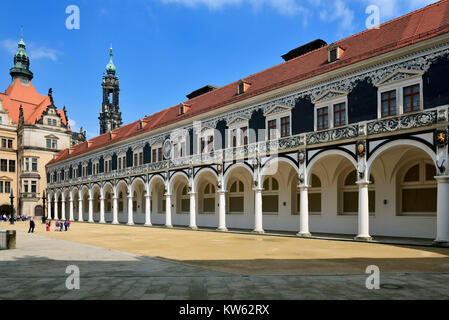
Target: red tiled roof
{"points": [[414, 27], [33, 103]]}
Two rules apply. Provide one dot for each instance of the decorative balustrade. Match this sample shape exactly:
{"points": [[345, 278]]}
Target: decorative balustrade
{"points": [[404, 122]]}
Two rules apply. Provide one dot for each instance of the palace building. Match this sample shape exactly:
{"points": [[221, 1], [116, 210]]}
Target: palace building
{"points": [[32, 131], [343, 138]]}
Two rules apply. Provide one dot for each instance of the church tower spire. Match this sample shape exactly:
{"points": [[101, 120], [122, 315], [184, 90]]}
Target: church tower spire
{"points": [[21, 69], [110, 115]]}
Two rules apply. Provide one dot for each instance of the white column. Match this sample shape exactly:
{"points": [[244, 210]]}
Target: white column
{"points": [[222, 211], [304, 213], [80, 210], [258, 223], [363, 212], [192, 224], [443, 212], [102, 220], [91, 210], [56, 209], [168, 223], [63, 209], [72, 218], [115, 210], [148, 210], [49, 204], [130, 211]]}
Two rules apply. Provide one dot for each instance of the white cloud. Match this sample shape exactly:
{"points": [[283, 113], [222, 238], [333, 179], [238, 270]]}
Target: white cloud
{"points": [[338, 11], [72, 124], [34, 50]]}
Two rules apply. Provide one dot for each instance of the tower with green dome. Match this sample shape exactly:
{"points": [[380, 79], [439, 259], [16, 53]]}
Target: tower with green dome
{"points": [[21, 69], [110, 115]]}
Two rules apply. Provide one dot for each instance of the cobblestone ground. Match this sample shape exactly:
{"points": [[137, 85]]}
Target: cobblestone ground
{"points": [[36, 270]]}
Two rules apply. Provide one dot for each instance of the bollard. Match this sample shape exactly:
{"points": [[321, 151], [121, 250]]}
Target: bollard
{"points": [[11, 239]]}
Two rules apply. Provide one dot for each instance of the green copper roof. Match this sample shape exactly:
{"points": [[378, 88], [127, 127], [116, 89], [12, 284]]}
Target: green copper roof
{"points": [[110, 68], [21, 67]]}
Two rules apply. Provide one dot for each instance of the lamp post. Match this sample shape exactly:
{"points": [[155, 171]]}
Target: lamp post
{"points": [[11, 221], [44, 215]]}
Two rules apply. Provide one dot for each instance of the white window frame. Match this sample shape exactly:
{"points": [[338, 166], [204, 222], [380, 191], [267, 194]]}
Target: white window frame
{"points": [[177, 143], [95, 167], [239, 136], [330, 103], [277, 117], [121, 164], [399, 87], [137, 151], [205, 134], [108, 164], [156, 146], [84, 170]]}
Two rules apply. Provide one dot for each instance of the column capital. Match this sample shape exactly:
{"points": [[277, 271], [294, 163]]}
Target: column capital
{"points": [[303, 187], [168, 194], [442, 179], [193, 193], [258, 189], [363, 183], [222, 191]]}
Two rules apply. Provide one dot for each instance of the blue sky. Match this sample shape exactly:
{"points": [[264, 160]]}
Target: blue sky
{"points": [[164, 49]]}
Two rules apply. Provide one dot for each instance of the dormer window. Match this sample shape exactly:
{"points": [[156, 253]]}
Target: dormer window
{"points": [[140, 125], [243, 86], [334, 53], [182, 109]]}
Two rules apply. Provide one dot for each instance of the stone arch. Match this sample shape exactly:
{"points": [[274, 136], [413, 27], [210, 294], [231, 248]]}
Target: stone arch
{"points": [[232, 168], [328, 153], [201, 173], [399, 143]]}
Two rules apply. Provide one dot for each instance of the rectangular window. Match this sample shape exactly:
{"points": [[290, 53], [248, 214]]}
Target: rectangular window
{"points": [[322, 118], [388, 101], [271, 129], [244, 136], [4, 143], [26, 163], [48, 143], [4, 165], [153, 156], [49, 122], [175, 151], [136, 160], [140, 158], [183, 149], [159, 154], [7, 187], [12, 165], [210, 144], [234, 138], [54, 122], [25, 186], [34, 164], [412, 99], [203, 145], [340, 114], [9, 144], [1, 186], [54, 144], [33, 186], [285, 127]]}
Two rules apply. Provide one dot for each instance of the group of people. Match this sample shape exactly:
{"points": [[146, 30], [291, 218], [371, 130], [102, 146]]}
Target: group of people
{"points": [[59, 225]]}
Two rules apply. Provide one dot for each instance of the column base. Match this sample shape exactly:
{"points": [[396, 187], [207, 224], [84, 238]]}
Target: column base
{"points": [[304, 234], [195, 228], [441, 243], [130, 224], [169, 226], [148, 225], [91, 221], [258, 231], [116, 222], [102, 222], [363, 238], [222, 229]]}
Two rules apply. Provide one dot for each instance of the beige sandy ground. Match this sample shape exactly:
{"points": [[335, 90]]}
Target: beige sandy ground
{"points": [[253, 254]]}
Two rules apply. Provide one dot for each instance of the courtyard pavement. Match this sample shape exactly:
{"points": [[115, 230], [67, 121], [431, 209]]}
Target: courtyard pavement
{"points": [[37, 268]]}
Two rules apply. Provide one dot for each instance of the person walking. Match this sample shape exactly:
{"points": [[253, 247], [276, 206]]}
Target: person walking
{"points": [[61, 225], [32, 226], [66, 225]]}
